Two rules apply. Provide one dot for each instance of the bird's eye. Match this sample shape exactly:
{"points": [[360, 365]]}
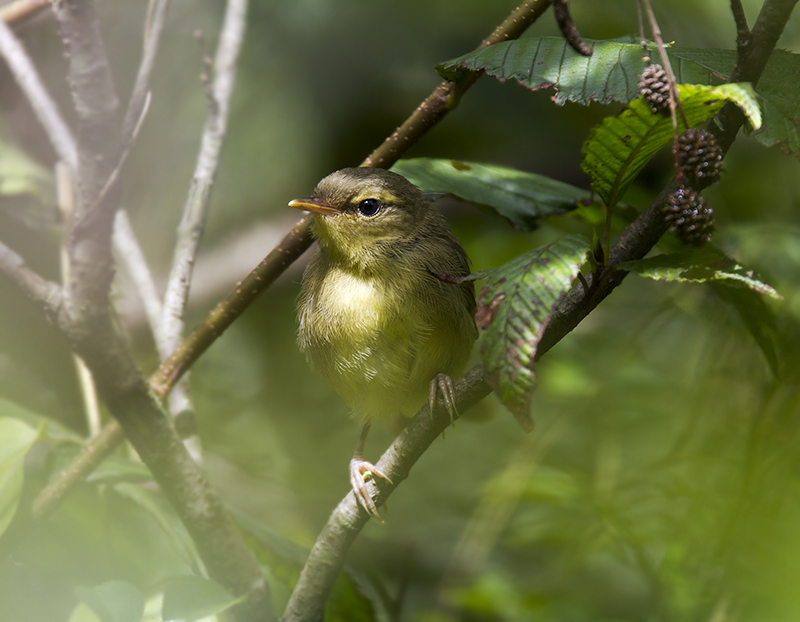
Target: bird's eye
{"points": [[369, 207]]}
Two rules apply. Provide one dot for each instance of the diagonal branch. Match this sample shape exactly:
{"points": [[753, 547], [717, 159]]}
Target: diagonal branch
{"points": [[43, 105], [44, 294]]}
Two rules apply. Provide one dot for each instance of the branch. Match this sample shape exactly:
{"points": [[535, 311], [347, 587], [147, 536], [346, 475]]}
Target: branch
{"points": [[44, 294], [157, 12], [327, 555], [196, 209], [19, 9], [43, 105]]}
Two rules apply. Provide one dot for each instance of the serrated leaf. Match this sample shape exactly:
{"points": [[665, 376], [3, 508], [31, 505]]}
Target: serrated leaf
{"points": [[16, 439], [191, 597], [700, 266], [545, 62], [114, 601], [618, 148], [611, 73], [778, 89], [519, 197], [513, 310]]}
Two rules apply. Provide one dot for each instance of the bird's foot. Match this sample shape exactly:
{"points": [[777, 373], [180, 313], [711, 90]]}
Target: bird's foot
{"points": [[442, 383], [358, 468]]}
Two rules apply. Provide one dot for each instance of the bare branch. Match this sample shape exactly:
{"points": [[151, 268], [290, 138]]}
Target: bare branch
{"points": [[130, 255], [46, 295], [196, 208], [140, 95], [43, 105]]}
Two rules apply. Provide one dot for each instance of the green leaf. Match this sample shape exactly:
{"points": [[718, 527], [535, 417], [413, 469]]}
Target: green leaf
{"points": [[611, 73], [83, 613], [191, 598], [517, 196], [619, 147], [514, 308], [114, 601], [778, 89], [700, 266], [19, 174], [16, 439]]}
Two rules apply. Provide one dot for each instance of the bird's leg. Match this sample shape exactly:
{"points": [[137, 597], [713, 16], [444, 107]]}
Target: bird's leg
{"points": [[358, 468], [444, 384]]}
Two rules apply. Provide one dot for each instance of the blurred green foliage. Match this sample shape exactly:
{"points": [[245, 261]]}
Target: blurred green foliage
{"points": [[661, 480]]}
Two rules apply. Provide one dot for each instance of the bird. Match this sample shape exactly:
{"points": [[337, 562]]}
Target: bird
{"points": [[384, 312]]}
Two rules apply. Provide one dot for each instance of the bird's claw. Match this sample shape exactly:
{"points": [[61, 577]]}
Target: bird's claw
{"points": [[442, 383], [358, 468]]}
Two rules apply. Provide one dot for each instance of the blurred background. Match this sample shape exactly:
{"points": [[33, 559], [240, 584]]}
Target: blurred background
{"points": [[662, 479]]}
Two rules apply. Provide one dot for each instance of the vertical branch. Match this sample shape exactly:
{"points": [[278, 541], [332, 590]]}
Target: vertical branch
{"points": [[196, 209]]}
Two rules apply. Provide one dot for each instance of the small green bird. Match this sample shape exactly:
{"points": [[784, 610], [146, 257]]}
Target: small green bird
{"points": [[378, 317]]}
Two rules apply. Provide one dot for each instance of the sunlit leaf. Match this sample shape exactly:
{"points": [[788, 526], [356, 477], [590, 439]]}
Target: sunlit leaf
{"points": [[114, 601], [513, 309], [520, 197], [611, 73], [618, 148], [700, 266], [778, 89], [16, 438], [191, 597]]}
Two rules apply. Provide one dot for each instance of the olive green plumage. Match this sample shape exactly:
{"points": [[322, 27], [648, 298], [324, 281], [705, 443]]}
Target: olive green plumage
{"points": [[375, 319]]}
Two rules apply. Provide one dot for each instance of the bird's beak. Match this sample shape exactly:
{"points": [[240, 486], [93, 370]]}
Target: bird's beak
{"points": [[315, 205]]}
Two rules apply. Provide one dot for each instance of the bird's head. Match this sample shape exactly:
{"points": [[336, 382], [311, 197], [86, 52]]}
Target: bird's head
{"points": [[360, 212]]}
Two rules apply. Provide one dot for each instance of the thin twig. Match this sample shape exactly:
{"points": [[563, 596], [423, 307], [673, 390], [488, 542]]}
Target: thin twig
{"points": [[140, 94], [196, 208], [43, 105], [130, 255], [743, 34], [568, 28]]}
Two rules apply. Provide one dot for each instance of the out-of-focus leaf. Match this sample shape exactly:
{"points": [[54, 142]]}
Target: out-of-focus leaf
{"points": [[83, 613], [191, 597], [760, 322], [521, 198], [114, 601], [621, 146], [19, 174], [16, 438], [119, 469], [700, 266], [513, 310], [153, 502]]}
